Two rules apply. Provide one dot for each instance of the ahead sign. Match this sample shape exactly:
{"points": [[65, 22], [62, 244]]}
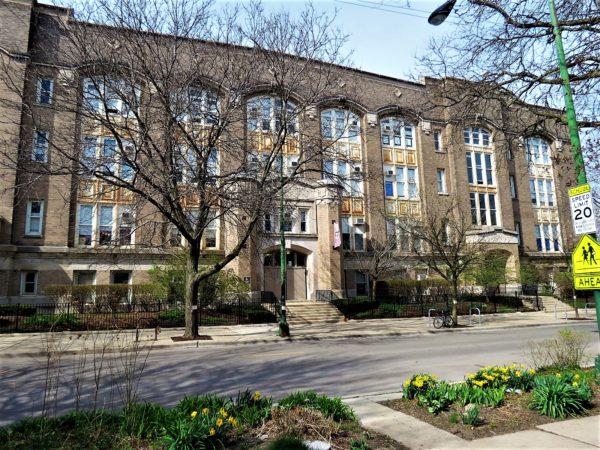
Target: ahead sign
{"points": [[582, 209]]}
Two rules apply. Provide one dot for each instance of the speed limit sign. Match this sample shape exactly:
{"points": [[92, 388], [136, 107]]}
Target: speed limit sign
{"points": [[582, 209]]}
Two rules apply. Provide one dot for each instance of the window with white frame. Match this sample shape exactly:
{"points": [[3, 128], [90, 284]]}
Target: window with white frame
{"points": [[480, 168], [340, 125], [437, 141], [186, 167], [401, 182], [513, 186], [34, 218], [547, 236], [110, 96], [441, 181], [303, 216], [395, 132], [353, 233], [44, 91], [401, 235], [349, 174], [196, 105], [41, 143], [105, 224], [271, 114], [29, 282], [537, 151], [108, 156], [483, 209], [476, 136], [542, 192], [211, 231]]}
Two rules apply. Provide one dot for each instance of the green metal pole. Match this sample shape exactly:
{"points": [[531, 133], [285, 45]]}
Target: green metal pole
{"points": [[284, 328], [571, 119]]}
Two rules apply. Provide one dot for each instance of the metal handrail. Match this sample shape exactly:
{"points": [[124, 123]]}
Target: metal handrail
{"points": [[429, 318]]}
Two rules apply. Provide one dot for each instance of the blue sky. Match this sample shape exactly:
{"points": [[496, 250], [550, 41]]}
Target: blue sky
{"points": [[385, 36]]}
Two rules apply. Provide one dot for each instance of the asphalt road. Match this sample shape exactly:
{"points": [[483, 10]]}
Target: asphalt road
{"points": [[342, 367]]}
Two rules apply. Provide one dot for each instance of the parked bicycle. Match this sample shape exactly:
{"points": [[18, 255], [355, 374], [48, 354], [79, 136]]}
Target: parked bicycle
{"points": [[443, 320]]}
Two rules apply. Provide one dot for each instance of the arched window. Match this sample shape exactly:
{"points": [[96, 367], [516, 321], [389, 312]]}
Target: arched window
{"points": [[269, 114], [396, 132], [477, 137], [340, 125], [537, 151]]}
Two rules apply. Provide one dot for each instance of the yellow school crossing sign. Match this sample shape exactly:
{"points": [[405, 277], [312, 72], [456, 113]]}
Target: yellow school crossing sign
{"points": [[586, 264]]}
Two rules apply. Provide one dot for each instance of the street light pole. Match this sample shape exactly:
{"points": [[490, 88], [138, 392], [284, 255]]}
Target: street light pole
{"points": [[284, 328], [440, 14]]}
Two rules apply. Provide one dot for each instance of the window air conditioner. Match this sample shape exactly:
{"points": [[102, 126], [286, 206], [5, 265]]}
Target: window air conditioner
{"points": [[357, 169], [254, 159], [387, 128], [360, 221], [390, 172], [294, 164], [354, 122]]}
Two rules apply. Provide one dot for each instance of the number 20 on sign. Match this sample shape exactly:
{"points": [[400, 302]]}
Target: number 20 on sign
{"points": [[582, 209]]}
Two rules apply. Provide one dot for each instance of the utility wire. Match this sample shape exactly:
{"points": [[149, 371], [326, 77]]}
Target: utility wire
{"points": [[384, 7]]}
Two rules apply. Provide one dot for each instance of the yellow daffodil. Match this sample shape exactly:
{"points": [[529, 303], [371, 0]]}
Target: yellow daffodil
{"points": [[219, 422], [223, 413], [522, 366], [576, 376], [518, 373], [232, 421], [205, 411], [256, 396], [531, 371], [406, 383], [194, 414], [557, 375], [471, 376], [575, 384], [212, 432]]}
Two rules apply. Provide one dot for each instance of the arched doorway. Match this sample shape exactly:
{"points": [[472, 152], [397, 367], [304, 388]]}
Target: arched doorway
{"points": [[295, 274]]}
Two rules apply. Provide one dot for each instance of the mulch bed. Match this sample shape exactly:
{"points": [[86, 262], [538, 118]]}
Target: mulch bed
{"points": [[512, 416], [202, 337]]}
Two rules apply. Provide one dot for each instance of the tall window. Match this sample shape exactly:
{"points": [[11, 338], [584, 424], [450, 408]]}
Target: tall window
{"points": [[34, 217], [547, 237], [271, 114], [537, 151], [513, 186], [483, 208], [353, 234], [44, 91], [29, 281], [441, 181], [340, 124], [110, 96], [105, 224], [480, 168], [437, 141], [397, 133], [401, 182], [479, 137], [41, 141]]}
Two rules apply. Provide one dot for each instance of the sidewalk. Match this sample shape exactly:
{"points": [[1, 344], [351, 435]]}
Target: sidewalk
{"points": [[34, 344], [578, 433]]}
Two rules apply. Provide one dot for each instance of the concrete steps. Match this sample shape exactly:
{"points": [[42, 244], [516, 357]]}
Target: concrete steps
{"points": [[548, 304], [309, 312]]}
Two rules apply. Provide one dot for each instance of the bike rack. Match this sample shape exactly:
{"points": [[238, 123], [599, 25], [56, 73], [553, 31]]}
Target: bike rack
{"points": [[556, 312], [471, 316], [585, 308], [429, 316]]}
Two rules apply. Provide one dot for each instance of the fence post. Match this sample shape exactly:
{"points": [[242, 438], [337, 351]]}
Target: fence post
{"points": [[17, 319], [68, 310]]}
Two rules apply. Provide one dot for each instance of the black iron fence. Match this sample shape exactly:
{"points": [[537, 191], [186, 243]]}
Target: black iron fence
{"points": [[90, 316], [424, 303]]}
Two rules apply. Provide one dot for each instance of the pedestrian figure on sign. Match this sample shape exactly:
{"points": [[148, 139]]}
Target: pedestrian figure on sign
{"points": [[585, 255], [592, 252]]}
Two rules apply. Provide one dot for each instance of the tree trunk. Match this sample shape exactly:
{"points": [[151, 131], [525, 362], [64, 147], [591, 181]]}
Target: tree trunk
{"points": [[373, 291], [455, 300], [191, 292]]}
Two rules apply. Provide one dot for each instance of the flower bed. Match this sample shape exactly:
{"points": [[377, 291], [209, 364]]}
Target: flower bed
{"points": [[198, 422], [499, 399]]}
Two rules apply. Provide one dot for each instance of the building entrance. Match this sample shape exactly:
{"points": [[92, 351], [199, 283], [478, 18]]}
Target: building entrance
{"points": [[296, 274]]}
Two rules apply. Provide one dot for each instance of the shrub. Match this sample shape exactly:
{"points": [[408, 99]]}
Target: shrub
{"points": [[467, 393], [567, 350], [555, 397], [332, 408], [418, 384], [47, 321], [251, 408], [21, 310], [437, 399], [287, 443], [176, 316]]}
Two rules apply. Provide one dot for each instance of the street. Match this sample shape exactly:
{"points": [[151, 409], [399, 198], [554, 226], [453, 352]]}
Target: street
{"points": [[342, 367]]}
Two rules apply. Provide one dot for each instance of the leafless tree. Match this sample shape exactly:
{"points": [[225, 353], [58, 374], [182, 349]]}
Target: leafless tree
{"points": [[510, 44], [448, 243], [183, 113]]}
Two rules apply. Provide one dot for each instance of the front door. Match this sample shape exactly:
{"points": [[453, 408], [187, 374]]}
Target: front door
{"points": [[295, 275]]}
